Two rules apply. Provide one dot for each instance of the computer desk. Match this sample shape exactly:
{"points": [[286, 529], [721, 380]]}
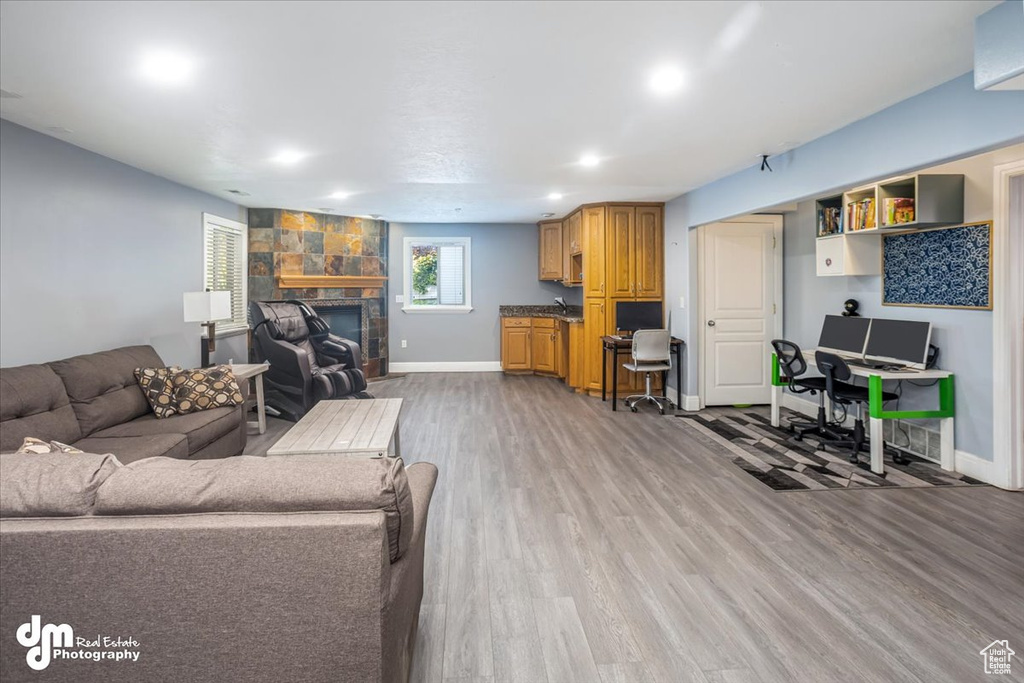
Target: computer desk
{"points": [[877, 413]]}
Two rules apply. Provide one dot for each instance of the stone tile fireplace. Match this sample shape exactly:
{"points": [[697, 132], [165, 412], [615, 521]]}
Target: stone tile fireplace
{"points": [[336, 264]]}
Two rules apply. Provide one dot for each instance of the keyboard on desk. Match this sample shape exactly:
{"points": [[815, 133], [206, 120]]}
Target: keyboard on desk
{"points": [[888, 367]]}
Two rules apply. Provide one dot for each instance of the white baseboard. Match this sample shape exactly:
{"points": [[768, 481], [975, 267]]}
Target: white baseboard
{"points": [[684, 402], [975, 467], [456, 366]]}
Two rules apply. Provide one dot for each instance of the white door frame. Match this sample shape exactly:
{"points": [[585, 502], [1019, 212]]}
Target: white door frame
{"points": [[1007, 336], [775, 220]]}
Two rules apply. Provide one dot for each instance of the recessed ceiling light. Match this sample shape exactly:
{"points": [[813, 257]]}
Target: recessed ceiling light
{"points": [[555, 195], [164, 67], [240, 193], [339, 195], [59, 130], [666, 80], [326, 209], [547, 215], [589, 160], [287, 157]]}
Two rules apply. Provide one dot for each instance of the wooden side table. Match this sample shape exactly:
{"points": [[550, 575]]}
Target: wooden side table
{"points": [[254, 371]]}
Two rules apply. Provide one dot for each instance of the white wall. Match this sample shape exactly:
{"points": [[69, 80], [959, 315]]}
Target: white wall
{"points": [[95, 254], [504, 272]]}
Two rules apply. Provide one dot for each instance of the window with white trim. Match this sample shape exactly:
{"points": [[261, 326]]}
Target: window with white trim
{"points": [[225, 254], [437, 275]]}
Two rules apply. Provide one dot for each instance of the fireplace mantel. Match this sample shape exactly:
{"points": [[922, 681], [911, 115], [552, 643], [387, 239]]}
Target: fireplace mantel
{"points": [[329, 281]]}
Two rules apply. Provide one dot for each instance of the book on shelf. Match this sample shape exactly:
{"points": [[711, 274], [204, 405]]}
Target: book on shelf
{"points": [[860, 215], [898, 210], [830, 221]]}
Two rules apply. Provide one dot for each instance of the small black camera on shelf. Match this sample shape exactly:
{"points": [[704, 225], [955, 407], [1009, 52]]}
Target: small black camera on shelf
{"points": [[850, 307]]}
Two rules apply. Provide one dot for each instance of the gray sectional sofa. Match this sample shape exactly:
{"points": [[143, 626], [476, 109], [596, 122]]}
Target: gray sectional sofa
{"points": [[287, 568], [94, 402]]}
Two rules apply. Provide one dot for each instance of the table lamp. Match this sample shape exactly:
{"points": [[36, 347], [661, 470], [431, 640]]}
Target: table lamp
{"points": [[206, 308]]}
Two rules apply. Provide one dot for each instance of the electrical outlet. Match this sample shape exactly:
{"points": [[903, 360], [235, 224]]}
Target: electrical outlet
{"points": [[682, 302], [405, 344], [399, 299]]}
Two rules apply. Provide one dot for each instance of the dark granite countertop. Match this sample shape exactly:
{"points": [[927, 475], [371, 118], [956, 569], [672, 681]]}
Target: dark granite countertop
{"points": [[573, 315]]}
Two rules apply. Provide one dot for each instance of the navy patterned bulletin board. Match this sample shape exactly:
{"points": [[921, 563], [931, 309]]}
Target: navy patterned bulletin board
{"points": [[948, 268]]}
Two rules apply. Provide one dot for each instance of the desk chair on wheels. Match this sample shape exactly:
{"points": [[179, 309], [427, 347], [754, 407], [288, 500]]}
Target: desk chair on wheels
{"points": [[651, 353], [840, 392], [791, 359]]}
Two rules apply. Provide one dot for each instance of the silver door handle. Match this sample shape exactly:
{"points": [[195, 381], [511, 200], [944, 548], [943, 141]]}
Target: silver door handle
{"points": [[711, 323]]}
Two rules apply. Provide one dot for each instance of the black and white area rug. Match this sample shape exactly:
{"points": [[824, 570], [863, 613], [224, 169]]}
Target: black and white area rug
{"points": [[775, 458]]}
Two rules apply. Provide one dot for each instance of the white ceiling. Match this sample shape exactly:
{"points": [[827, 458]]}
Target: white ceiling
{"points": [[418, 108]]}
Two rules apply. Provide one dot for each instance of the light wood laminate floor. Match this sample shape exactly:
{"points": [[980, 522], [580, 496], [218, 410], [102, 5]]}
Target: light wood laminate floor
{"points": [[569, 543]]}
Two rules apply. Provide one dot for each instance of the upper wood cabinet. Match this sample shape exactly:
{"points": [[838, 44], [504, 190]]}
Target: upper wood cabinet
{"points": [[593, 251], [649, 252], [635, 252], [550, 250], [621, 252], [574, 226]]}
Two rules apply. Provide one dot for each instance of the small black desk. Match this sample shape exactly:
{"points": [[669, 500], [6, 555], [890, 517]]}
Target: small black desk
{"points": [[617, 347]]}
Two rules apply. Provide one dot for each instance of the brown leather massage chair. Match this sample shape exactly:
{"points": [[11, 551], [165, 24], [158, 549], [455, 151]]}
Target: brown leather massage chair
{"points": [[307, 363]]}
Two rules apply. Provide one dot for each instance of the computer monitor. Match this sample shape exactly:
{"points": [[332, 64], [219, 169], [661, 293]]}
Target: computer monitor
{"points": [[631, 316], [899, 341], [844, 334]]}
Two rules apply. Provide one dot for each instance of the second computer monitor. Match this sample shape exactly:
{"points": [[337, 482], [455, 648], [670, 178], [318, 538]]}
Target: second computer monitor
{"points": [[631, 316], [844, 334], [899, 341]]}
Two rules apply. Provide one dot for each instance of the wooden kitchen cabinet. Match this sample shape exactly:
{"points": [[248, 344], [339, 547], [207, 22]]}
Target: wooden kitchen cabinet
{"points": [[616, 251], [593, 330], [620, 264], [545, 346], [551, 265], [593, 251], [516, 350], [649, 252]]}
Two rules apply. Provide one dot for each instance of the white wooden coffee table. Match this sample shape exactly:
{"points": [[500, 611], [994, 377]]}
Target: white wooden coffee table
{"points": [[360, 427]]}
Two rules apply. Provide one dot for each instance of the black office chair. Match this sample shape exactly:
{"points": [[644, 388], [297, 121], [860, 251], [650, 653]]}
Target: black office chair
{"points": [[840, 392], [793, 366]]}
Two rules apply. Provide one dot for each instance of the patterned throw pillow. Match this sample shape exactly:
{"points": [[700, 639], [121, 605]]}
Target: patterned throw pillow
{"points": [[157, 385], [205, 388], [38, 447]]}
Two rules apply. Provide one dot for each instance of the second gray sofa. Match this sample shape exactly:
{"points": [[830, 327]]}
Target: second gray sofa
{"points": [[94, 403]]}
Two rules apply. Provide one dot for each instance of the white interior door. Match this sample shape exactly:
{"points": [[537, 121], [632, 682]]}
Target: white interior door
{"points": [[739, 309]]}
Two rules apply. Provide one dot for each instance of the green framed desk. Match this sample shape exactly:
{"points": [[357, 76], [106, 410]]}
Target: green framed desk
{"points": [[876, 411]]}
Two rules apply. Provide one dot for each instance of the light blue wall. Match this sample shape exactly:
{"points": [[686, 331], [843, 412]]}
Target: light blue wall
{"points": [[95, 254], [948, 122], [504, 263], [999, 44]]}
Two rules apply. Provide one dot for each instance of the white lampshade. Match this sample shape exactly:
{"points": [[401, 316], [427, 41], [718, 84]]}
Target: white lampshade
{"points": [[201, 307]]}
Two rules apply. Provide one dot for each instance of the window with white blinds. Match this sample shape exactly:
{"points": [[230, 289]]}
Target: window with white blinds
{"points": [[437, 275], [225, 254]]}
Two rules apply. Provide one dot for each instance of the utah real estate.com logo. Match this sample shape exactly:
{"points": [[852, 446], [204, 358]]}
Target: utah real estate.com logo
{"points": [[997, 656], [46, 642]]}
